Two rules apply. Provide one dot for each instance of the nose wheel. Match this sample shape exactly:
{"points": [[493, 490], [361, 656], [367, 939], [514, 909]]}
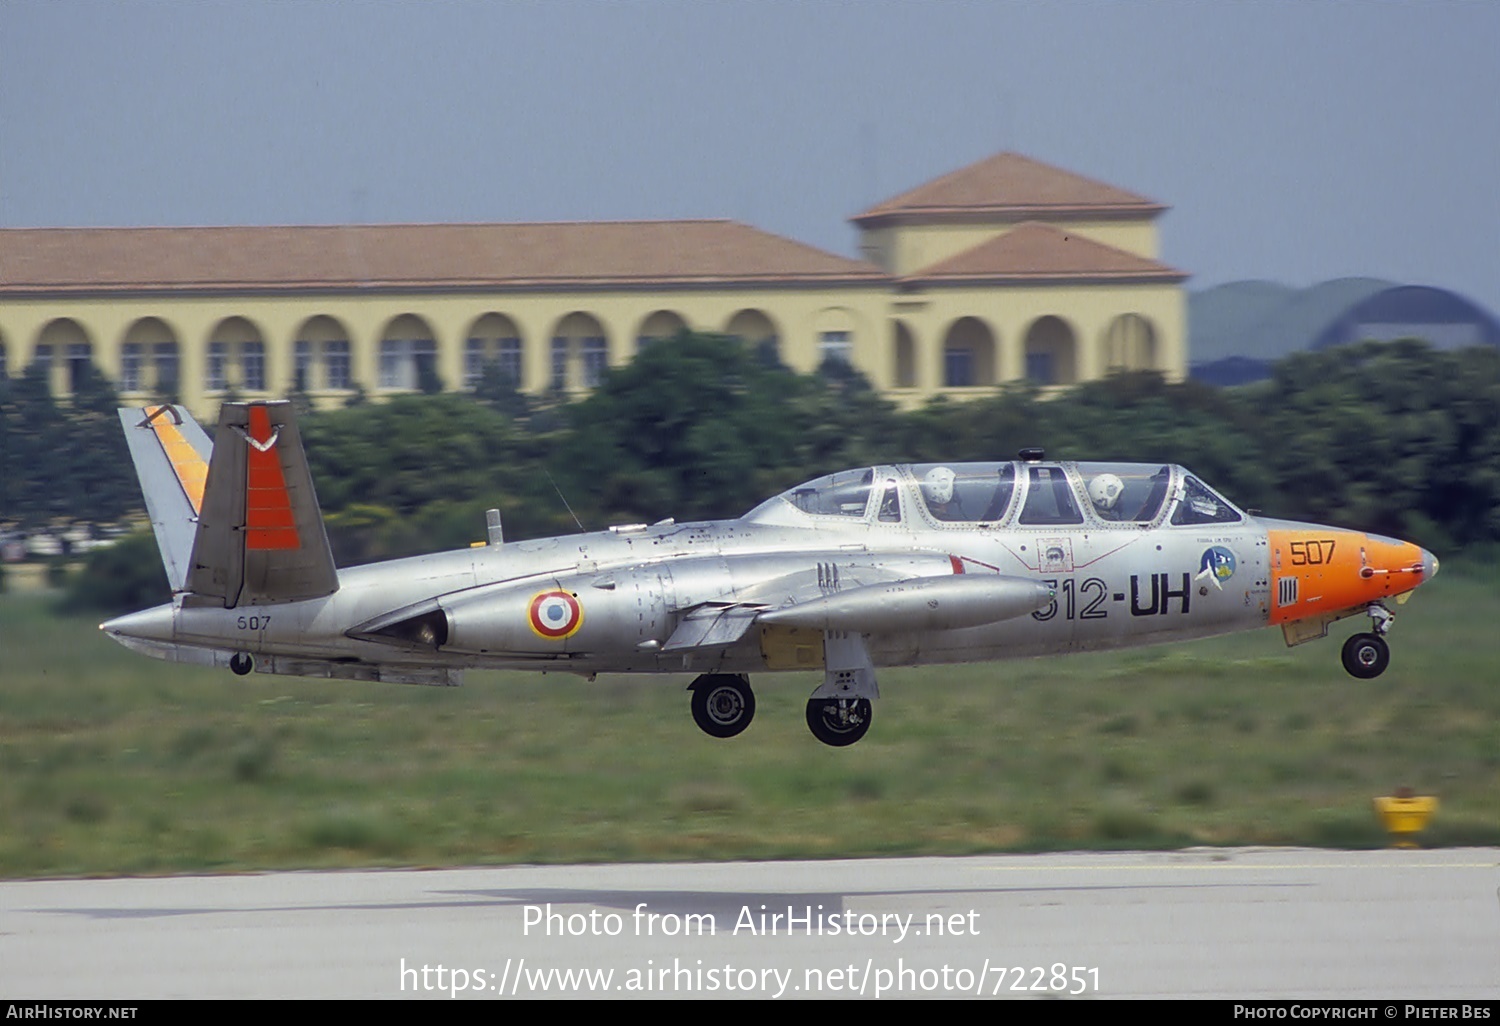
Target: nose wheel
{"points": [[723, 704], [839, 721], [1367, 655]]}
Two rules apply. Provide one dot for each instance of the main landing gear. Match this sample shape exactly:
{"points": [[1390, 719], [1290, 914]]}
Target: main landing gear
{"points": [[1367, 655], [724, 705]]}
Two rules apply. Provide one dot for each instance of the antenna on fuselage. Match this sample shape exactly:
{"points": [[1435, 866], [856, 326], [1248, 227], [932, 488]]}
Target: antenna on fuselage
{"points": [[564, 499], [1031, 455]]}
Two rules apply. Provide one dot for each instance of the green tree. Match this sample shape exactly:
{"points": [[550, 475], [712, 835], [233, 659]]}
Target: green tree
{"points": [[499, 392], [700, 426], [119, 578], [413, 451], [34, 430], [94, 465]]}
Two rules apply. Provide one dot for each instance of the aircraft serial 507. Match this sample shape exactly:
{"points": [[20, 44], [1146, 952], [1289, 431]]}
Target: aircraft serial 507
{"points": [[882, 566]]}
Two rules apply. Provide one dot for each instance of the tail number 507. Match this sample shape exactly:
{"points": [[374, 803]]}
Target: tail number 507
{"points": [[1312, 553]]}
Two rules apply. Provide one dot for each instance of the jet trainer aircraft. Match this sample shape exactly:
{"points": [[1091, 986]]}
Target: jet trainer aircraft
{"points": [[881, 566]]}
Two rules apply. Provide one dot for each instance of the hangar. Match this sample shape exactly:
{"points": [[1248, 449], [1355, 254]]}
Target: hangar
{"points": [[1240, 329]]}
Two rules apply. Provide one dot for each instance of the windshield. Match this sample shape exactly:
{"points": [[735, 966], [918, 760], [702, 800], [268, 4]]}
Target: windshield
{"points": [[1200, 504]]}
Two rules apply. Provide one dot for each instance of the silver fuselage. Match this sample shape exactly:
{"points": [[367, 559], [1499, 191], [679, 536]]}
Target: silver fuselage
{"points": [[1110, 585]]}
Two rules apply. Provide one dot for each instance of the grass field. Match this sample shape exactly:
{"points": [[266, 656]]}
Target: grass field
{"points": [[112, 763]]}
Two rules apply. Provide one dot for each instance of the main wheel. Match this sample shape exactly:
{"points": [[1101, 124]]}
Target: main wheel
{"points": [[723, 704], [1366, 655], [241, 663], [839, 721]]}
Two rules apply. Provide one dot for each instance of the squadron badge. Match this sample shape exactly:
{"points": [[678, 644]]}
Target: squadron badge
{"points": [[1217, 565]]}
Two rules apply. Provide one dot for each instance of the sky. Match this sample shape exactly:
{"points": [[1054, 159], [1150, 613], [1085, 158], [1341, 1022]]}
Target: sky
{"points": [[1293, 141]]}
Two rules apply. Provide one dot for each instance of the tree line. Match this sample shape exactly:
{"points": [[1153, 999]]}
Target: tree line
{"points": [[1397, 438]]}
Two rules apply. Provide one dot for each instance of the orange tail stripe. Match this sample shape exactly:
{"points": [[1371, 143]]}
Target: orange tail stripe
{"points": [[260, 475], [267, 538], [266, 516], [269, 523], [190, 468]]}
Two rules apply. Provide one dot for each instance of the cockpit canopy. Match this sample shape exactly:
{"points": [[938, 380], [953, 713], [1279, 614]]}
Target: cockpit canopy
{"points": [[1011, 494]]}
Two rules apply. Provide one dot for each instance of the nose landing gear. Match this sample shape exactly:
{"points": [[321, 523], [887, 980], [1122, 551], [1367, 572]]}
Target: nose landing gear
{"points": [[1367, 655], [838, 721]]}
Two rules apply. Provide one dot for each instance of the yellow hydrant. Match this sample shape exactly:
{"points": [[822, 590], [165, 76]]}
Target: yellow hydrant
{"points": [[1405, 814]]}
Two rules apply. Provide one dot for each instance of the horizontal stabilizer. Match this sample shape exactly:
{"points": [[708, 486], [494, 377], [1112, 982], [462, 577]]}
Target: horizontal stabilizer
{"points": [[260, 534]]}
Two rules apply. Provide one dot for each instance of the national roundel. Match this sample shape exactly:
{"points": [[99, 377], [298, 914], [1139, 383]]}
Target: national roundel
{"points": [[555, 614]]}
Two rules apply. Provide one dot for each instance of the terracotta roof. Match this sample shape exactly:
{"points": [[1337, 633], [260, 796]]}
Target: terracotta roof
{"points": [[1012, 187], [1043, 254], [414, 257]]}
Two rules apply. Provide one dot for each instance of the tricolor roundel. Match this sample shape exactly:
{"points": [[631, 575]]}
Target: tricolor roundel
{"points": [[555, 614]]}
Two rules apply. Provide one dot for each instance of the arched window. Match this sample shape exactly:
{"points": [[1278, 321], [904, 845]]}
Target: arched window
{"points": [[1051, 352], [756, 330], [663, 324], [64, 346], [968, 354], [156, 344], [408, 356], [236, 357], [493, 339], [1130, 343], [904, 355], [320, 356], [580, 352]]}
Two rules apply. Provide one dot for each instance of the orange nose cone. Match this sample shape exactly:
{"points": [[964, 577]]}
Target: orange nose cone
{"points": [[1321, 570], [1394, 566]]}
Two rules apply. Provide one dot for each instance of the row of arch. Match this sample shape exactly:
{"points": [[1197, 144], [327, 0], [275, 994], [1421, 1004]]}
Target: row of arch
{"points": [[1050, 352], [150, 357]]}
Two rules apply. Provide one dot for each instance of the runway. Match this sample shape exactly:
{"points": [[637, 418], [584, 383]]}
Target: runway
{"points": [[1207, 923]]}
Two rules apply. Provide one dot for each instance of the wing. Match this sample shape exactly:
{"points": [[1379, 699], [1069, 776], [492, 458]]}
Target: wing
{"points": [[869, 601], [918, 604]]}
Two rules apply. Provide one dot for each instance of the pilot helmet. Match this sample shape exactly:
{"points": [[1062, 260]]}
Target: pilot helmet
{"points": [[1105, 490], [938, 485]]}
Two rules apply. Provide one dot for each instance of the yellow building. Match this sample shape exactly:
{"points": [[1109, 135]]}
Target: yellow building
{"points": [[1002, 270]]}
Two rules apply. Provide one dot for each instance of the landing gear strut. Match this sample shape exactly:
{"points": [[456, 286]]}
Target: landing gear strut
{"points": [[723, 704], [1367, 655], [839, 721]]}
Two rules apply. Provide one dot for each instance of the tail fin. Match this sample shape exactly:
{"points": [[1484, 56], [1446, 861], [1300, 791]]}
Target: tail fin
{"points": [[256, 534], [171, 454]]}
